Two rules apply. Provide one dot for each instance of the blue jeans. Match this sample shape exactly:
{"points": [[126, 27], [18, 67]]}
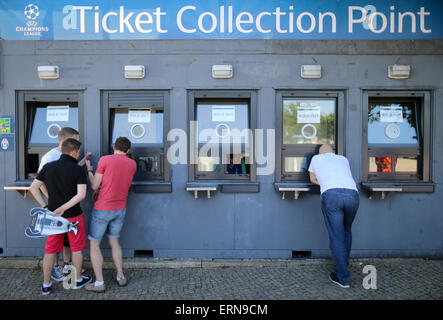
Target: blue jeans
{"points": [[339, 207], [100, 221]]}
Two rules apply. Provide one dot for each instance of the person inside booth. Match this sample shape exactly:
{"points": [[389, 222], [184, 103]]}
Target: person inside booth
{"points": [[236, 164]]}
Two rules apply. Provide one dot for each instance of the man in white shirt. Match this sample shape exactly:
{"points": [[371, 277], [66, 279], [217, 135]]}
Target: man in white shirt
{"points": [[54, 155], [339, 204]]}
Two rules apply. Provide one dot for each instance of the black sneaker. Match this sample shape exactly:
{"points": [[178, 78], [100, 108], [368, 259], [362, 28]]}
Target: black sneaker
{"points": [[84, 282], [46, 291], [333, 278]]}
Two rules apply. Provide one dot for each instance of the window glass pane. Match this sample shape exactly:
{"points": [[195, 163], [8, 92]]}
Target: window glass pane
{"points": [[380, 164], [238, 164], [308, 121], [222, 123], [402, 164], [49, 120], [295, 164], [209, 164], [140, 126], [148, 164], [406, 164], [392, 123]]}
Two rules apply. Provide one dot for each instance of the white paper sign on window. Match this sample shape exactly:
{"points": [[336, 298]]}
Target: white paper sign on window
{"points": [[391, 114], [308, 114], [139, 116], [223, 113], [57, 113]]}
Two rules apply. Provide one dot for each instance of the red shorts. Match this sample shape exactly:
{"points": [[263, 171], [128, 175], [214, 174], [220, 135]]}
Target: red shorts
{"points": [[54, 243]]}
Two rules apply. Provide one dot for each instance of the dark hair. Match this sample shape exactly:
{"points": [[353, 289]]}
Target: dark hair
{"points": [[70, 145], [122, 144], [66, 132]]}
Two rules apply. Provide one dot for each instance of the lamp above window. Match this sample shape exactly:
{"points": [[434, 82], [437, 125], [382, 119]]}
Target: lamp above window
{"points": [[134, 72], [222, 71], [311, 71], [399, 71], [48, 72]]}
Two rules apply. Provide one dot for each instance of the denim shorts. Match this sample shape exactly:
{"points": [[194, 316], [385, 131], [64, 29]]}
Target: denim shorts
{"points": [[100, 221]]}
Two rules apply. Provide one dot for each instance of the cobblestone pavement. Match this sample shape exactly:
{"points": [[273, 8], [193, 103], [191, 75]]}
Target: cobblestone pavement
{"points": [[396, 279]]}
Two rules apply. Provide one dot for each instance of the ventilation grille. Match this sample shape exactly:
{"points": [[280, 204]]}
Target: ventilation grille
{"points": [[301, 254], [143, 253], [136, 99]]}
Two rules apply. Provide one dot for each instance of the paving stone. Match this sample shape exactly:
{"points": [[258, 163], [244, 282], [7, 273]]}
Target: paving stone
{"points": [[396, 279]]}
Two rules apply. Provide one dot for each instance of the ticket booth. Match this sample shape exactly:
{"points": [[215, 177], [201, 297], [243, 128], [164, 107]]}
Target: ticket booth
{"points": [[41, 116], [397, 144], [221, 135], [241, 97], [305, 121], [221, 123], [142, 117]]}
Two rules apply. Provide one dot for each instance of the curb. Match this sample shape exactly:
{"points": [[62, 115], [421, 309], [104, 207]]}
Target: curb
{"points": [[165, 263]]}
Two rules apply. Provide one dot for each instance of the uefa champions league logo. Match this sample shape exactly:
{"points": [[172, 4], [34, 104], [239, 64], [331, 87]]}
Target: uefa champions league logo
{"points": [[5, 144], [31, 12]]}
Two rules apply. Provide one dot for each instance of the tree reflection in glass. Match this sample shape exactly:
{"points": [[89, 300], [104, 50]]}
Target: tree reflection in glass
{"points": [[308, 121]]}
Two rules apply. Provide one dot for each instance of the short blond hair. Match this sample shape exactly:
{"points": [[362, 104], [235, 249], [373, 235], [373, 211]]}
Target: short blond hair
{"points": [[65, 133]]}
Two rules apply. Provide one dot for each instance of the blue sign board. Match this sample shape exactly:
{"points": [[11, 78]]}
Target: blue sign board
{"points": [[222, 19], [7, 133]]}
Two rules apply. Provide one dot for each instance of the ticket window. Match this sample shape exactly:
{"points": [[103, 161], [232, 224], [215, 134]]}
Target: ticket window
{"points": [[144, 128], [41, 118], [140, 117], [395, 139], [305, 122], [223, 139]]}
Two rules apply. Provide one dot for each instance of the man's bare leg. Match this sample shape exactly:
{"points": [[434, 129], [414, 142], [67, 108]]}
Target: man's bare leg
{"points": [[97, 260], [48, 263], [66, 254], [117, 256], [77, 261]]}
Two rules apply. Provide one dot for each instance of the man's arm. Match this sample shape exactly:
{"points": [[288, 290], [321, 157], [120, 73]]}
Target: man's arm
{"points": [[44, 161], [44, 190], [81, 194], [96, 179], [311, 170], [313, 178], [35, 191], [88, 156]]}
